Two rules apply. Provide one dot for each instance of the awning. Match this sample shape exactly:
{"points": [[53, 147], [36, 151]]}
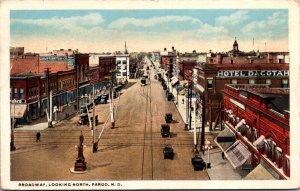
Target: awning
{"points": [[242, 122], [237, 154], [17, 110], [225, 139], [259, 141], [260, 173], [174, 81]]}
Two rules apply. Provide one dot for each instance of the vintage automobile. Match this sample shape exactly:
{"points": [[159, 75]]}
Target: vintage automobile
{"points": [[165, 130], [169, 96], [83, 119], [168, 118], [198, 162], [168, 152]]}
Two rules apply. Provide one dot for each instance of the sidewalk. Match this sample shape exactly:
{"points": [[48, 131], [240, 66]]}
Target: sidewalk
{"points": [[221, 169], [42, 123], [181, 107]]}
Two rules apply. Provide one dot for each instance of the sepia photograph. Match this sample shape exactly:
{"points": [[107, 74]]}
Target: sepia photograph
{"points": [[149, 95]]}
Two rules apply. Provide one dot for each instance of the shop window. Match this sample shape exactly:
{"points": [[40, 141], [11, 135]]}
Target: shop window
{"points": [[234, 81], [287, 165], [268, 81], [251, 81], [21, 93], [16, 95], [271, 145], [209, 84], [279, 157], [285, 83], [254, 135]]}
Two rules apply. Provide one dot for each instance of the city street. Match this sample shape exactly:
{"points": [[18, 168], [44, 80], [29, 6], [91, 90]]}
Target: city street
{"points": [[133, 150]]}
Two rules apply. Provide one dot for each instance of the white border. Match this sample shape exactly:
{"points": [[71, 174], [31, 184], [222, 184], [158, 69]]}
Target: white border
{"points": [[293, 7]]}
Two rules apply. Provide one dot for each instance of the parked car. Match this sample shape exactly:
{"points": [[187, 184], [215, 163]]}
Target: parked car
{"points": [[168, 118], [170, 96], [168, 152], [165, 130], [198, 162]]}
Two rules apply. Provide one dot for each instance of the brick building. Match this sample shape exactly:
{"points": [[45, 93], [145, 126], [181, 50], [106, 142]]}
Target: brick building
{"points": [[236, 67], [24, 88], [107, 63], [186, 69], [257, 126]]}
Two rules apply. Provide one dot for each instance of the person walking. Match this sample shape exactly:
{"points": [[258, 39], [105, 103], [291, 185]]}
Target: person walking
{"points": [[183, 101], [38, 136]]}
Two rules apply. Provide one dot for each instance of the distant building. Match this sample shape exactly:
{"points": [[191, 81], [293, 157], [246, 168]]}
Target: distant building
{"points": [[257, 131], [122, 66], [16, 51]]}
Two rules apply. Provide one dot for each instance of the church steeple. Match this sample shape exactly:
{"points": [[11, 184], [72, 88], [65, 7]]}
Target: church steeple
{"points": [[235, 46], [126, 51]]}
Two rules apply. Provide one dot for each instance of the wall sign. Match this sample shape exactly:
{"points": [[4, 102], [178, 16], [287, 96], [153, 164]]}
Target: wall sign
{"points": [[253, 73]]}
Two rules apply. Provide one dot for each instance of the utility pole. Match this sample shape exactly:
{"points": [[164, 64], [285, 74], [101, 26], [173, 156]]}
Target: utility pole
{"points": [[49, 99], [203, 123], [12, 136], [112, 117], [94, 126], [190, 107]]}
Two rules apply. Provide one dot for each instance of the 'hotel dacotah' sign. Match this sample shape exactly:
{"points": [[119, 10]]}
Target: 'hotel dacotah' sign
{"points": [[252, 73]]}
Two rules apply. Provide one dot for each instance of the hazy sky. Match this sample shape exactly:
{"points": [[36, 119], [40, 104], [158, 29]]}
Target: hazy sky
{"points": [[148, 30]]}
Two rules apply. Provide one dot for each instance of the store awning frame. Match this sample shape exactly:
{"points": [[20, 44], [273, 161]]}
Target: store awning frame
{"points": [[18, 110], [259, 141], [174, 81], [237, 154]]}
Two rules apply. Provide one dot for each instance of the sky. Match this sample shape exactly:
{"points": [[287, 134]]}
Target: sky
{"points": [[150, 30]]}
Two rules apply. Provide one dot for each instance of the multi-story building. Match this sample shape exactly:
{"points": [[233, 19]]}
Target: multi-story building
{"points": [[257, 130], [25, 89], [236, 67]]}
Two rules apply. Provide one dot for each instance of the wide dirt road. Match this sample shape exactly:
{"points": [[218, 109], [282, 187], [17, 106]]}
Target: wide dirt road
{"points": [[130, 151]]}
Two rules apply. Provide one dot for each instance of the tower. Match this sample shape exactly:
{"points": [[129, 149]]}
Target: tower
{"points": [[126, 51], [235, 46]]}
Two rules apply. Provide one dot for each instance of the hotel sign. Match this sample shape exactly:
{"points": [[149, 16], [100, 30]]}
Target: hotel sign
{"points": [[253, 73]]}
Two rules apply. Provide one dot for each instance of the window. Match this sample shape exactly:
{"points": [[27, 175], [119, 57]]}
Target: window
{"points": [[21, 93], [280, 61], [287, 165], [285, 83], [16, 96], [10, 93], [124, 73], [233, 81], [209, 83], [118, 62], [231, 61], [268, 81], [251, 81], [250, 61], [124, 62], [279, 157]]}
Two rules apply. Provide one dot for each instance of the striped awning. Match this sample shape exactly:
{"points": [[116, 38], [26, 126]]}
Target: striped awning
{"points": [[237, 154]]}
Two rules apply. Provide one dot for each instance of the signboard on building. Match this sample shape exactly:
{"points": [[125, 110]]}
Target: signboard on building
{"points": [[53, 58], [252, 73]]}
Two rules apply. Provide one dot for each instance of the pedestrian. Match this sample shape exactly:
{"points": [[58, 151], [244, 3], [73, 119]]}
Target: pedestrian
{"points": [[38, 136], [183, 101], [223, 155]]}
